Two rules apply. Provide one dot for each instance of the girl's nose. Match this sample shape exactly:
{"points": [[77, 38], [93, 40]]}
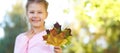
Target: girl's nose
{"points": [[35, 14]]}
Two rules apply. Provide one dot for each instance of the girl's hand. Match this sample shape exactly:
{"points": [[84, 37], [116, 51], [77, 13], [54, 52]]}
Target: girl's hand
{"points": [[57, 49]]}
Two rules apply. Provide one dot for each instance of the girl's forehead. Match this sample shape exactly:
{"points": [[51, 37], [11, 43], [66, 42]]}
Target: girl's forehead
{"points": [[36, 6]]}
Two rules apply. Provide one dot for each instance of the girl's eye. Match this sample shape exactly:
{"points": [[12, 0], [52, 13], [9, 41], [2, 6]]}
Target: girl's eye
{"points": [[39, 12], [32, 12]]}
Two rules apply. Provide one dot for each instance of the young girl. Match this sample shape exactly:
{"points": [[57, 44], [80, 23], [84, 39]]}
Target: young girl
{"points": [[32, 40]]}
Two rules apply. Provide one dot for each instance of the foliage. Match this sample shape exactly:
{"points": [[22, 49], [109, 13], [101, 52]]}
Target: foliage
{"points": [[100, 20], [13, 28]]}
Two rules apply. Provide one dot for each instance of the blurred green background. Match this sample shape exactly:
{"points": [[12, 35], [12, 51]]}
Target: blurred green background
{"points": [[95, 28]]}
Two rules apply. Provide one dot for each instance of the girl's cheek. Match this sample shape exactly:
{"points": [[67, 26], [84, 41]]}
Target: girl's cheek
{"points": [[42, 16], [30, 16]]}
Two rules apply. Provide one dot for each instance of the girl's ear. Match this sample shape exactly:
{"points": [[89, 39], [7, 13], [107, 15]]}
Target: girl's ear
{"points": [[46, 15]]}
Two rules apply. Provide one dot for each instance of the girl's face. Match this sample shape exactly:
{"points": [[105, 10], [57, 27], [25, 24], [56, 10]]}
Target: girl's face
{"points": [[36, 13]]}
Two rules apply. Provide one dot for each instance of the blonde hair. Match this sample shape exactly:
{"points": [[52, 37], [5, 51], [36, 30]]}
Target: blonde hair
{"points": [[37, 1]]}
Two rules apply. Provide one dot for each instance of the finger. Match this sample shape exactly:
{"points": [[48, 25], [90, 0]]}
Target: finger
{"points": [[57, 51], [57, 47]]}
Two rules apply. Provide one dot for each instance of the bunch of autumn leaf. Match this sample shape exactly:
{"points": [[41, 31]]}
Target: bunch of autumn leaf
{"points": [[56, 36]]}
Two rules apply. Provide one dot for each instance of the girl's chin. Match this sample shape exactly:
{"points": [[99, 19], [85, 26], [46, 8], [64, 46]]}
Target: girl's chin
{"points": [[36, 25]]}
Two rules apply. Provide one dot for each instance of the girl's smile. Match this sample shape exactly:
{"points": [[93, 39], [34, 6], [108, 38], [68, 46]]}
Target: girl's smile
{"points": [[35, 20]]}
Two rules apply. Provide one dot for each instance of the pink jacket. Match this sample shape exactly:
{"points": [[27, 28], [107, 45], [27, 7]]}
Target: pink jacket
{"points": [[34, 45]]}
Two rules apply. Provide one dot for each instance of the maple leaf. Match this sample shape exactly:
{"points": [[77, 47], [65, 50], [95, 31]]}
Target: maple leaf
{"points": [[57, 37], [58, 27], [67, 32], [45, 37], [48, 31], [53, 32]]}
